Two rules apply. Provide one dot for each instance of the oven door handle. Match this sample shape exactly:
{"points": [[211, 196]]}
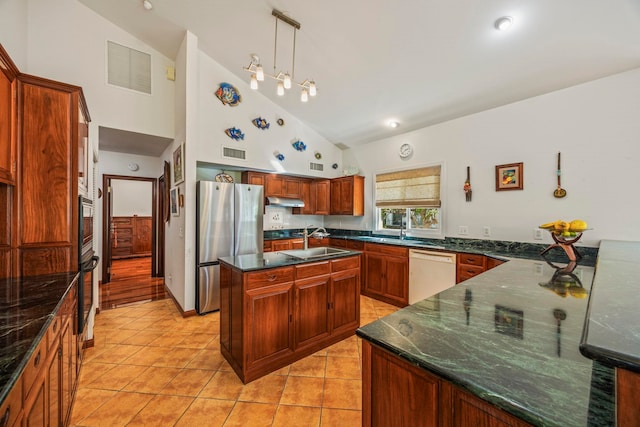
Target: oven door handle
{"points": [[92, 264]]}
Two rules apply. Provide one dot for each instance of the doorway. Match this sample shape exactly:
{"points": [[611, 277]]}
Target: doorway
{"points": [[130, 241]]}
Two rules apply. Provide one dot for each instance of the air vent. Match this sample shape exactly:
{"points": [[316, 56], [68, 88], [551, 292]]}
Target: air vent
{"points": [[128, 68], [234, 153], [316, 166]]}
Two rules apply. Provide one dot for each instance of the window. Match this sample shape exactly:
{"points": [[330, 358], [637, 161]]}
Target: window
{"points": [[410, 200]]}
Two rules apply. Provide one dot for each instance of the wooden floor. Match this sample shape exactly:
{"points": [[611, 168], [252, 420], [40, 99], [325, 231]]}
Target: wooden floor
{"points": [[131, 283]]}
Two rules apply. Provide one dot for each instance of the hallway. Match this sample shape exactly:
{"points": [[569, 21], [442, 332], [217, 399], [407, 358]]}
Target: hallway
{"points": [[131, 282]]}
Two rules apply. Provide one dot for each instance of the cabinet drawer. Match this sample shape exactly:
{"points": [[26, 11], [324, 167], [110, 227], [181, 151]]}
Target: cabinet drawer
{"points": [[471, 259], [121, 220], [338, 243], [270, 277], [312, 270], [354, 244], [280, 245], [468, 271], [12, 405], [386, 249], [345, 263], [35, 363]]}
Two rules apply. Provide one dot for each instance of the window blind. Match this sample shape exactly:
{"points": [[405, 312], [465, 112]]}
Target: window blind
{"points": [[410, 188]]}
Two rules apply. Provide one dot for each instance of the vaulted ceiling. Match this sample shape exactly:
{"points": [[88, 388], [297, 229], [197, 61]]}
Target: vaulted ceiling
{"points": [[418, 62]]}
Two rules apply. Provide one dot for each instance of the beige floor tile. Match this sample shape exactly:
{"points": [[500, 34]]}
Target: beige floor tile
{"points": [[206, 359], [169, 339], [92, 370], [119, 410], [162, 411], [152, 380], [223, 385], [282, 371], [304, 391], [344, 348], [121, 335], [343, 367], [87, 401], [188, 382], [264, 390], [340, 418], [117, 353], [206, 412], [299, 416], [313, 366], [142, 337], [147, 356], [197, 340], [176, 357], [117, 377], [251, 414], [342, 394]]}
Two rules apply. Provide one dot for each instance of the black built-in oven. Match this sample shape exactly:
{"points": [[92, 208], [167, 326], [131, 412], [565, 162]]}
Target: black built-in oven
{"points": [[87, 260]]}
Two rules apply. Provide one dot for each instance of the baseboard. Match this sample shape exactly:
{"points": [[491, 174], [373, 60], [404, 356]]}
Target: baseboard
{"points": [[88, 343], [188, 313]]}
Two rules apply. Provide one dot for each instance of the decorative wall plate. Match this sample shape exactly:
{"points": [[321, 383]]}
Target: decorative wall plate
{"points": [[223, 177], [299, 145], [260, 123], [278, 155], [280, 122], [234, 133], [228, 94], [335, 166], [318, 155]]}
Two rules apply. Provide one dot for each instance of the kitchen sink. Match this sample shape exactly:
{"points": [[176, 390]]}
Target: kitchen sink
{"points": [[313, 252]]}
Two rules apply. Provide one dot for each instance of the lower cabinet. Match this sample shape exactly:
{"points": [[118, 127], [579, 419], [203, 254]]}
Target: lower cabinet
{"points": [[271, 318], [398, 393], [386, 276]]}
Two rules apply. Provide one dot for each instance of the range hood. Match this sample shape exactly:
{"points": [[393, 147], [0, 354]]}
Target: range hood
{"points": [[285, 202]]}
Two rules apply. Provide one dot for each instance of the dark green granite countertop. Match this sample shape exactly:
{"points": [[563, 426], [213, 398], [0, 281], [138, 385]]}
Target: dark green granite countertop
{"points": [[612, 327], [268, 260], [497, 336], [27, 306]]}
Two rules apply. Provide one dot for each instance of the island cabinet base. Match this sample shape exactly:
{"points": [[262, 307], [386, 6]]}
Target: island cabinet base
{"points": [[271, 318], [395, 392], [627, 386]]}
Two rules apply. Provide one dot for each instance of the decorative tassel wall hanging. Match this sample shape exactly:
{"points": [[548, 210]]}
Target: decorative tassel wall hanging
{"points": [[467, 185]]}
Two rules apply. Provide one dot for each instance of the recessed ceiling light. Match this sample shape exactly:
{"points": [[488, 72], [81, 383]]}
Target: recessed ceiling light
{"points": [[147, 5], [393, 124], [503, 23]]}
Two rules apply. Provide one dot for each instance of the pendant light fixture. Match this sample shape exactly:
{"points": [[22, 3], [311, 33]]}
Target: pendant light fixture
{"points": [[285, 80]]}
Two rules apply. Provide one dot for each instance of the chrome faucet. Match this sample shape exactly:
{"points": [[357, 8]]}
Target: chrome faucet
{"points": [[306, 234], [403, 227]]}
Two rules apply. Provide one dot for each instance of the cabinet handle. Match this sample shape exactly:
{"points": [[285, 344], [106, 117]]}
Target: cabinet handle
{"points": [[5, 418], [36, 361]]}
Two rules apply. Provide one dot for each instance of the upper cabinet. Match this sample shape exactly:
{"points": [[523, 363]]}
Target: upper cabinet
{"points": [[347, 195], [8, 77], [83, 150]]}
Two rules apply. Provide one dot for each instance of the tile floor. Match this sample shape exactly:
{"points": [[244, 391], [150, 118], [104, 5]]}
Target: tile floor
{"points": [[151, 367]]}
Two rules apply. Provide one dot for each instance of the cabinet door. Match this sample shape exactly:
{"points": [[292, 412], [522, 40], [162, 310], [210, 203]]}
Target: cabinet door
{"points": [[306, 194], [273, 185], [268, 322], [36, 411], [345, 300], [374, 273], [321, 191], [291, 187], [142, 236], [66, 368], [312, 310], [468, 410], [336, 197], [280, 245], [53, 402], [7, 126], [253, 178], [297, 243], [397, 279], [346, 196]]}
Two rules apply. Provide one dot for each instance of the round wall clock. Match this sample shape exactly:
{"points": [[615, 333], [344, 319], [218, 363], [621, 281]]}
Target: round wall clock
{"points": [[405, 150]]}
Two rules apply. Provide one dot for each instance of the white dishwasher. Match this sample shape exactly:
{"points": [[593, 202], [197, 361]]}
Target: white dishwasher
{"points": [[430, 273]]}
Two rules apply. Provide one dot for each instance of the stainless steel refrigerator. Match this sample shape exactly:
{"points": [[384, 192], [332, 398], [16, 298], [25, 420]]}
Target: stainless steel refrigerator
{"points": [[228, 223]]}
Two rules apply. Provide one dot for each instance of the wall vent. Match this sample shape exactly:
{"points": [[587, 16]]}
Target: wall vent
{"points": [[316, 166], [128, 68], [234, 153]]}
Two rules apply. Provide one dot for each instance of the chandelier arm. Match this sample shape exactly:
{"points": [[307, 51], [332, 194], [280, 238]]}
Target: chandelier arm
{"points": [[275, 47], [293, 61]]}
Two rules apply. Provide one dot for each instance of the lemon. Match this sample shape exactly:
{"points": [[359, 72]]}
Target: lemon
{"points": [[577, 225], [578, 292]]}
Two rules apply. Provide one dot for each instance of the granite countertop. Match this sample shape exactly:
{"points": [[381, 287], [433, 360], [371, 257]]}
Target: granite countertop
{"points": [[27, 306], [266, 260], [612, 328], [497, 336]]}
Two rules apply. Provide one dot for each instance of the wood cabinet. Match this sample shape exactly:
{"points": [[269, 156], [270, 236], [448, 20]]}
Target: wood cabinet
{"points": [[8, 103], [627, 408], [253, 178], [386, 275], [344, 243], [396, 392], [316, 197], [131, 236], [470, 265], [271, 318], [11, 408], [493, 262], [347, 196], [6, 192]]}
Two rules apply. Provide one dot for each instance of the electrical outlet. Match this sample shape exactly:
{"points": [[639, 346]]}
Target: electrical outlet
{"points": [[537, 234], [486, 231], [463, 230], [538, 268]]}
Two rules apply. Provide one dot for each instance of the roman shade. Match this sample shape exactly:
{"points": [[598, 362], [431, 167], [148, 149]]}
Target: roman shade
{"points": [[409, 188]]}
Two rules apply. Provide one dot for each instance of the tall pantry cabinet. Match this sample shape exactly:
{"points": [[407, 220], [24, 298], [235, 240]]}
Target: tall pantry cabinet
{"points": [[50, 129]]}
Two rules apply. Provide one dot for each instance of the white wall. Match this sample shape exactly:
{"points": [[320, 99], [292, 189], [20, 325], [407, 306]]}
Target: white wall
{"points": [[132, 198], [13, 30], [595, 125]]}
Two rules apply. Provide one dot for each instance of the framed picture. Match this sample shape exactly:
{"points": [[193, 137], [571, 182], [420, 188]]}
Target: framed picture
{"points": [[173, 201], [509, 321], [178, 165], [510, 177]]}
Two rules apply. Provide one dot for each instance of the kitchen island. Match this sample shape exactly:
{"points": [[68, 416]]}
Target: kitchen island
{"points": [[501, 347], [276, 308]]}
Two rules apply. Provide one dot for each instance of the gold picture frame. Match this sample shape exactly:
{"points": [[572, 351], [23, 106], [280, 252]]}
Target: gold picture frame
{"points": [[178, 165], [510, 177]]}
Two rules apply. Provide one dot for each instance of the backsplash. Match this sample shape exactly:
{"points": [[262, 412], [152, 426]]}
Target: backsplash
{"points": [[280, 218]]}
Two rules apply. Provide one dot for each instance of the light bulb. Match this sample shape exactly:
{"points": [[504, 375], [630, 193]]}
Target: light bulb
{"points": [[254, 82], [503, 23], [147, 5], [259, 73], [312, 88], [304, 96], [287, 81], [280, 90]]}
